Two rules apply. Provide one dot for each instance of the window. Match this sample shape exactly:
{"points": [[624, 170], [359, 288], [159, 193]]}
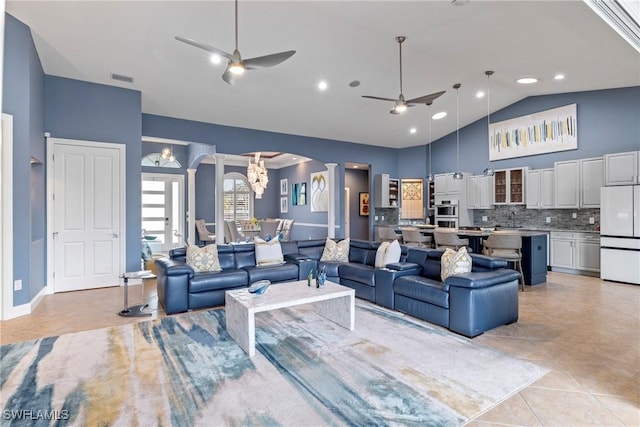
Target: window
{"points": [[238, 200], [162, 210]]}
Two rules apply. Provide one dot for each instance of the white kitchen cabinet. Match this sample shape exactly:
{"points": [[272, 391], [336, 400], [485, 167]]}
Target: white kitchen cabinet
{"points": [[566, 186], [386, 191], [588, 253], [539, 189], [622, 168], [509, 186], [479, 192], [591, 179], [575, 252], [563, 252], [547, 199], [446, 185]]}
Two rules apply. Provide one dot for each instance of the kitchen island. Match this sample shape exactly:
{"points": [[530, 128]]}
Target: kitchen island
{"points": [[534, 248]]}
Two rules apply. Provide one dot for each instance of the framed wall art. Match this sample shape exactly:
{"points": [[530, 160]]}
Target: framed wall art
{"points": [[364, 204], [284, 186], [319, 191], [539, 133], [284, 206]]}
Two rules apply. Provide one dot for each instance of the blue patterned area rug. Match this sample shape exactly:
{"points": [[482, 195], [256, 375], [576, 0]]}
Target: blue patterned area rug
{"points": [[186, 370]]}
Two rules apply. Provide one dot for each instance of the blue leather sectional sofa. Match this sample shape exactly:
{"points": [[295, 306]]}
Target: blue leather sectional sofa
{"points": [[468, 303], [411, 286]]}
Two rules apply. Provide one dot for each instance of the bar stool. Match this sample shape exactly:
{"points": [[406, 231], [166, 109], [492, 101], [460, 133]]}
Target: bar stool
{"points": [[413, 237], [448, 238], [387, 234], [506, 246]]}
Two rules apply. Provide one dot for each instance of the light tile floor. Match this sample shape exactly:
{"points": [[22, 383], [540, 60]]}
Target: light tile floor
{"points": [[585, 330]]}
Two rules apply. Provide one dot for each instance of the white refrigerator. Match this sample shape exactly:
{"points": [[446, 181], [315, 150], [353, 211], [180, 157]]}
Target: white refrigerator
{"points": [[620, 233]]}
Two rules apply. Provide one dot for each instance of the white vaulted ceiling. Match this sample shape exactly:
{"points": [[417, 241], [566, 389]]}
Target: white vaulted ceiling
{"points": [[336, 41]]}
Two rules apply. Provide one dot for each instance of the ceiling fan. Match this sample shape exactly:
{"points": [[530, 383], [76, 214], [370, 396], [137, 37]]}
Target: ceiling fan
{"points": [[400, 104], [236, 65]]}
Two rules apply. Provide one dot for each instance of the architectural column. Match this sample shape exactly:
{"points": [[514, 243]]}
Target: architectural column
{"points": [[191, 206], [219, 198], [331, 214]]}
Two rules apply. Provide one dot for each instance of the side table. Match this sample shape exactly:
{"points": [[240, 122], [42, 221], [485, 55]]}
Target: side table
{"points": [[137, 310]]}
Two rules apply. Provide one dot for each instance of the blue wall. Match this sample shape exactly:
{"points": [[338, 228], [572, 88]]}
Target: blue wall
{"points": [[23, 98], [86, 111], [608, 122]]}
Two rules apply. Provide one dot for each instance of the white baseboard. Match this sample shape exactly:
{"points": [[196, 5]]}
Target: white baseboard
{"points": [[24, 309]]}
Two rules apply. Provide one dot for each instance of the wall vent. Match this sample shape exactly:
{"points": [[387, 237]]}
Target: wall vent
{"points": [[121, 78]]}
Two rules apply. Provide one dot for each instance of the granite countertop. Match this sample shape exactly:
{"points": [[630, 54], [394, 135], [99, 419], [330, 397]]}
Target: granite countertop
{"points": [[524, 231]]}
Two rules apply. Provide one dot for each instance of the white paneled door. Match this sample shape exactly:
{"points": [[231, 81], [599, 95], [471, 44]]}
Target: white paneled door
{"points": [[87, 208]]}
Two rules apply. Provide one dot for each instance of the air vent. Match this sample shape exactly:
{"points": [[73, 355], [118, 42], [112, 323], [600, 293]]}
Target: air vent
{"points": [[121, 78]]}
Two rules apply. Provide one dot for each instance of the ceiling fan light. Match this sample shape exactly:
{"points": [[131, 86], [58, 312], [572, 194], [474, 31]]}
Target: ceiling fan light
{"points": [[236, 68], [400, 108]]}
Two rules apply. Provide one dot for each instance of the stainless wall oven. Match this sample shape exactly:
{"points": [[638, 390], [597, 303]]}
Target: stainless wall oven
{"points": [[447, 208]]}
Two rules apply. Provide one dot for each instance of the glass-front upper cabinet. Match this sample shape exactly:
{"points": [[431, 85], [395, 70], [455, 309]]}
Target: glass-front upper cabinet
{"points": [[509, 186]]}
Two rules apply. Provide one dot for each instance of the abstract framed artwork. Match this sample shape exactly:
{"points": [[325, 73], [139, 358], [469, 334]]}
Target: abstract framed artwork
{"points": [[284, 186], [284, 206], [364, 204], [299, 194], [319, 191], [538, 133]]}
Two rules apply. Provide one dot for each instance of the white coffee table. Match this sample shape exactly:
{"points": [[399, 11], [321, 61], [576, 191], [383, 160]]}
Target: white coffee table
{"points": [[333, 301]]}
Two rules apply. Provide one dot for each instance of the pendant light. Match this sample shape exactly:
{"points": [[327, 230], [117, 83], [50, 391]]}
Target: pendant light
{"points": [[430, 176], [457, 174], [489, 171]]}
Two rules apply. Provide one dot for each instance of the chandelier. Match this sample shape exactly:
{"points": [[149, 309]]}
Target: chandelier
{"points": [[257, 175]]}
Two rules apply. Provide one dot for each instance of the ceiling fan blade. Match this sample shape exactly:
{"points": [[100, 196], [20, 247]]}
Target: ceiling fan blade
{"points": [[204, 46], [228, 76], [267, 60], [381, 99], [425, 99], [393, 111]]}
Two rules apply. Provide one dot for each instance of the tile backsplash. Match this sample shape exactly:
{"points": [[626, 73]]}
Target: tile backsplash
{"points": [[519, 216], [516, 215]]}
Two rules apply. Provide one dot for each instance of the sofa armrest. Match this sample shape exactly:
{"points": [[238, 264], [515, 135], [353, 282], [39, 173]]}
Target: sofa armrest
{"points": [[482, 301], [172, 282], [304, 262], [402, 266], [481, 279], [384, 278]]}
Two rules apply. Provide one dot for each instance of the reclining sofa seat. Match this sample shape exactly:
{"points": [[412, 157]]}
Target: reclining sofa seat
{"points": [[180, 288], [468, 303]]}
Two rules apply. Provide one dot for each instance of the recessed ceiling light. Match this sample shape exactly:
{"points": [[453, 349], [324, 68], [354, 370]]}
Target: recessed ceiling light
{"points": [[413, 130], [215, 59], [356, 166], [558, 77], [322, 85], [480, 94], [440, 115], [527, 80]]}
